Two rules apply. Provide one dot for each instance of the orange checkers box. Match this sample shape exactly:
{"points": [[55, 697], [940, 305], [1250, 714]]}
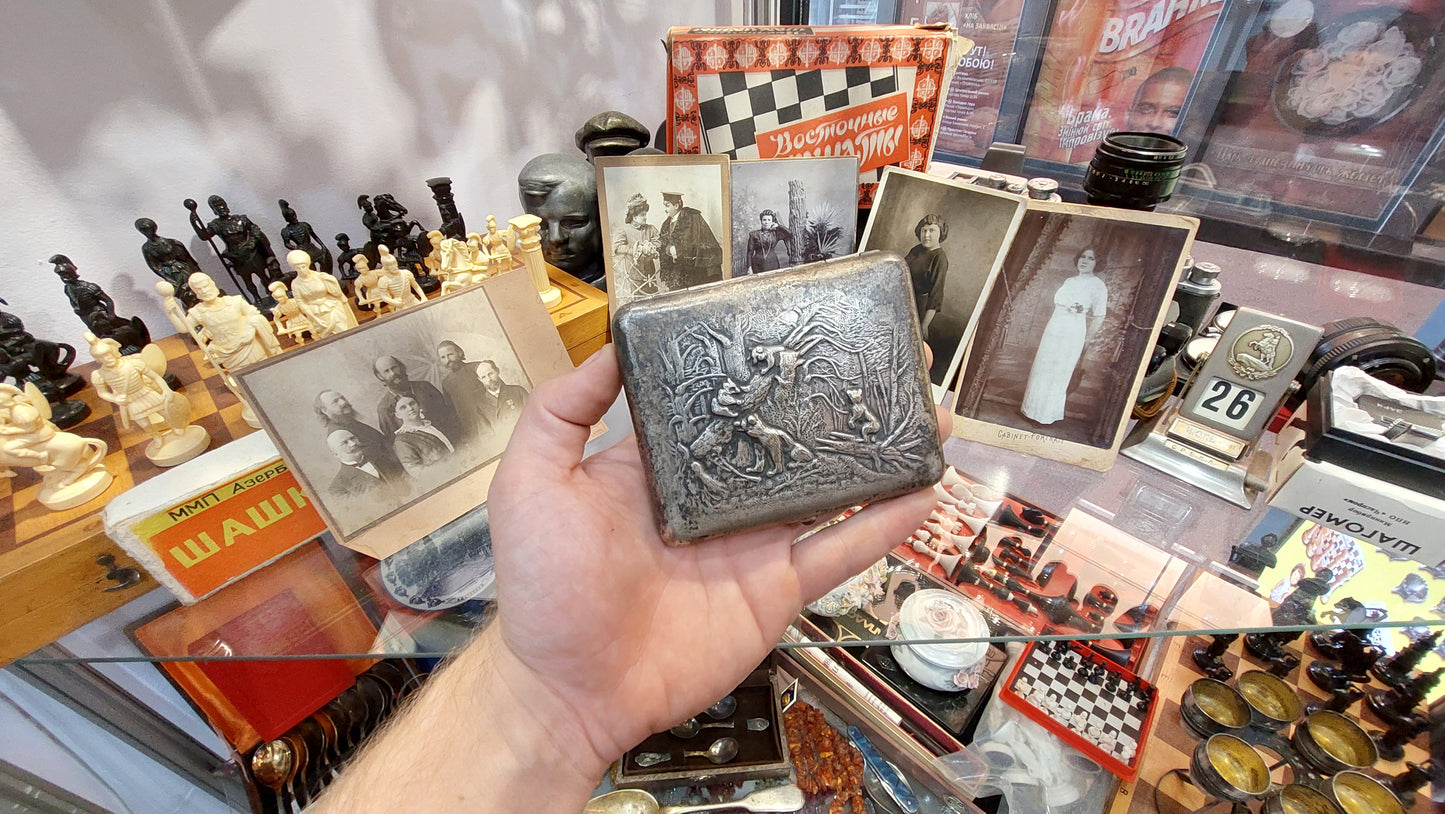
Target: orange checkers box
{"points": [[214, 519], [874, 92]]}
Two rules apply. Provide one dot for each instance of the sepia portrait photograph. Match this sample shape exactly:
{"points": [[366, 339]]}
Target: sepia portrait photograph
{"points": [[1066, 330], [790, 211], [380, 417], [667, 223], [952, 235]]}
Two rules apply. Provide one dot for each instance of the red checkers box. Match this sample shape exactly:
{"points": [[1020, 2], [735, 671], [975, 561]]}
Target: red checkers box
{"points": [[875, 92]]}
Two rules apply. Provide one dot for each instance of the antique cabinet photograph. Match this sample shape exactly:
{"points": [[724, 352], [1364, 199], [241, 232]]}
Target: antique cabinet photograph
{"points": [[789, 211], [378, 418], [667, 223], [952, 235], [1066, 331]]}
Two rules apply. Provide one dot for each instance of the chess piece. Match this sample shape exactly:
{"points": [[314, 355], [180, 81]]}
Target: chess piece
{"points": [[298, 234], [136, 385], [528, 228], [1405, 784], [1283, 665], [1356, 658], [497, 245], [234, 332], [453, 226], [1339, 701], [1256, 555], [245, 250], [96, 309], [1330, 644], [561, 190], [175, 311], [1028, 519], [1398, 704], [366, 287], [1391, 742], [44, 364], [391, 228], [72, 468], [286, 316], [320, 298], [610, 133], [396, 286], [1395, 671], [345, 265], [168, 259], [1056, 608], [1209, 658]]}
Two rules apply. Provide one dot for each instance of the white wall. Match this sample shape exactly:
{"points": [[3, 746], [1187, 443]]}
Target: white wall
{"points": [[111, 111]]}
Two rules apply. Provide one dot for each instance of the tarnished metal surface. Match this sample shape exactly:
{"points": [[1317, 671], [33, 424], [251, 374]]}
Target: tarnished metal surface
{"points": [[780, 397]]}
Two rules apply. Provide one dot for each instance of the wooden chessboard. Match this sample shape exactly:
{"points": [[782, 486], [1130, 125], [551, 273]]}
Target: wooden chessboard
{"points": [[1173, 742], [50, 582]]}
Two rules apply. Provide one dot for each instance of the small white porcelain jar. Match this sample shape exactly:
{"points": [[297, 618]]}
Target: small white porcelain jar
{"points": [[935, 613]]}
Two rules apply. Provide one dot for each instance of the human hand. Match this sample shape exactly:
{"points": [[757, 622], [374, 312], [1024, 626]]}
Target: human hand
{"points": [[616, 634]]}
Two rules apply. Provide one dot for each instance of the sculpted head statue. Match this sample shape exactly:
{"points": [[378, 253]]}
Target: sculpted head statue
{"points": [[562, 191]]}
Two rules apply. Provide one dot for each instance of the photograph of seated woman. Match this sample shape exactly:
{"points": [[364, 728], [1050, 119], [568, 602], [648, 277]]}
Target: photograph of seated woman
{"points": [[928, 266], [1079, 306]]}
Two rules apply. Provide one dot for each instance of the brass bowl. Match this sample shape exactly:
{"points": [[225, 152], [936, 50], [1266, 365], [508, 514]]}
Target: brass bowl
{"points": [[1273, 705], [1210, 707], [1299, 799], [1333, 743], [1227, 768], [1358, 793]]}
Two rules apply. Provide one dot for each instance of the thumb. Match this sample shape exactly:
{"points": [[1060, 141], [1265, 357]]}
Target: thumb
{"points": [[554, 427]]}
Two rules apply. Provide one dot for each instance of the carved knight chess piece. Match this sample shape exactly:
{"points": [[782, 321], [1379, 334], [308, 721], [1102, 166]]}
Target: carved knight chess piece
{"points": [[72, 468]]}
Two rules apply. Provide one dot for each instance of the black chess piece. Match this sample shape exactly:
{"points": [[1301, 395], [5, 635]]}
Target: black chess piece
{"points": [[1102, 598], [168, 259], [387, 222], [1136, 618], [1405, 784], [1391, 743], [610, 133], [245, 251], [1398, 703], [1284, 664], [1396, 670], [1209, 658], [1255, 556], [97, 310], [1054, 608], [44, 364], [1356, 657], [1338, 701], [1023, 520], [1329, 644], [298, 234], [346, 260], [453, 225]]}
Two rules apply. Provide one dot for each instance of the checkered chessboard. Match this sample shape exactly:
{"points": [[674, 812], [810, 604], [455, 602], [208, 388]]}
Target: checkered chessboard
{"points": [[1106, 717]]}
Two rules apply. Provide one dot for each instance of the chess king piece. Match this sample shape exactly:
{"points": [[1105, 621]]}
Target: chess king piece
{"points": [[298, 234], [390, 227], [286, 317], [168, 259], [44, 364], [528, 230], [320, 297], [245, 250], [610, 133], [397, 286], [72, 469], [234, 334], [453, 225], [1395, 671], [561, 190], [136, 385], [96, 309]]}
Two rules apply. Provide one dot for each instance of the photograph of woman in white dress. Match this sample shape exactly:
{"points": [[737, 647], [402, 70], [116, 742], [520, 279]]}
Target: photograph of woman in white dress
{"points": [[634, 247], [1079, 305]]}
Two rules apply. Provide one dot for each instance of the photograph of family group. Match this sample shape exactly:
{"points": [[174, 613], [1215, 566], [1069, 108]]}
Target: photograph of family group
{"points": [[386, 414]]}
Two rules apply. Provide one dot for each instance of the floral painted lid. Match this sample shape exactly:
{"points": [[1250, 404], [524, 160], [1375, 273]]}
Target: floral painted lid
{"points": [[935, 613]]}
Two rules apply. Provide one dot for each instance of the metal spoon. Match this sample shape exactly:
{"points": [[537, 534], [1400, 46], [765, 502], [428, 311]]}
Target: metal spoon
{"points": [[721, 751], [722, 709], [636, 801], [691, 727]]}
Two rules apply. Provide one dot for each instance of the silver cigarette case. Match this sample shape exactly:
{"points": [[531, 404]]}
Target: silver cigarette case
{"points": [[779, 397]]}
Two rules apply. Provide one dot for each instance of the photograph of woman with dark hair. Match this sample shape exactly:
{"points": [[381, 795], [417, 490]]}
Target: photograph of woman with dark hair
{"points": [[1065, 336], [928, 266]]}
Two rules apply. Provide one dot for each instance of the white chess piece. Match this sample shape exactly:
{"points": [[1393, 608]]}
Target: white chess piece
{"points": [[396, 286], [233, 334], [320, 298], [286, 315], [528, 229], [72, 469], [136, 385]]}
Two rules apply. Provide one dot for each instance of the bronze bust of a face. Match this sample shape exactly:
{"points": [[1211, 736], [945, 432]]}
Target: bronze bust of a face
{"points": [[562, 191]]}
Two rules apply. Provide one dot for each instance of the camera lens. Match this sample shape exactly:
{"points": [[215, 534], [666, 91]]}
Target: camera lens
{"points": [[1378, 348], [1134, 170]]}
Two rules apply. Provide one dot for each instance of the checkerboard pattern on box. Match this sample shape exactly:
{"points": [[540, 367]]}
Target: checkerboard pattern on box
{"points": [[1105, 716]]}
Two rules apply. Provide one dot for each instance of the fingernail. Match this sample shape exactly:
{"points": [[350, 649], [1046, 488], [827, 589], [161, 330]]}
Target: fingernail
{"points": [[595, 356]]}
